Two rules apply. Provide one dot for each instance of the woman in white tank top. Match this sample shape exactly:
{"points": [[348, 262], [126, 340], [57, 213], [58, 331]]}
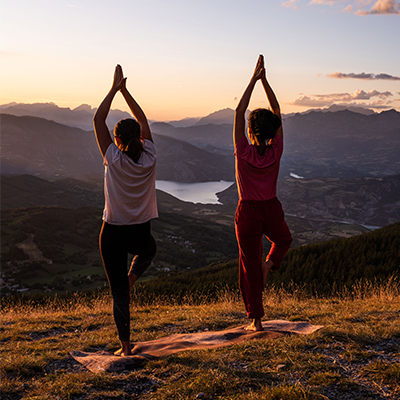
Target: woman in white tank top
{"points": [[130, 202]]}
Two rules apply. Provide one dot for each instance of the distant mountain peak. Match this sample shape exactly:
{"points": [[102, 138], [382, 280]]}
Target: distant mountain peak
{"points": [[360, 110], [335, 108], [164, 125], [223, 116], [84, 107], [224, 111], [185, 122], [391, 111], [2, 106]]}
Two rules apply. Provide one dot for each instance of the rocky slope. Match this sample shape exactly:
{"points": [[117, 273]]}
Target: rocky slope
{"points": [[368, 201]]}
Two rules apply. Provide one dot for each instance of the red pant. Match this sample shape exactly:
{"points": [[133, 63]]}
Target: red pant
{"points": [[254, 219]]}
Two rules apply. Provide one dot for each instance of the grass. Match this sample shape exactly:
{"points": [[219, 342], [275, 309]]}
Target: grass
{"points": [[355, 356]]}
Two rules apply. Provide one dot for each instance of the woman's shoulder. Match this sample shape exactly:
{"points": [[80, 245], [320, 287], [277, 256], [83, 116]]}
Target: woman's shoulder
{"points": [[112, 153], [242, 144], [277, 142], [148, 145]]}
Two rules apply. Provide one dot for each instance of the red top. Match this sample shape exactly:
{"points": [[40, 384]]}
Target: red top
{"points": [[256, 175]]}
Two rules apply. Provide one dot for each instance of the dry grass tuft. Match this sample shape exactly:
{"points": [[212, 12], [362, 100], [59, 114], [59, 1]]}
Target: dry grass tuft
{"points": [[355, 356]]}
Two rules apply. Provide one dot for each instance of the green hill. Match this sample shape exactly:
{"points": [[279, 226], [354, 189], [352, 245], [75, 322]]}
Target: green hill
{"points": [[321, 268]]}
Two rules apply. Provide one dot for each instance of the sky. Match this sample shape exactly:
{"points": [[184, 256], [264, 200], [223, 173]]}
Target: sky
{"points": [[189, 58]]}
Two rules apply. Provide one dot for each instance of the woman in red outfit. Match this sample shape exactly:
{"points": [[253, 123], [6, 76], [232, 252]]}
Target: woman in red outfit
{"points": [[259, 212]]}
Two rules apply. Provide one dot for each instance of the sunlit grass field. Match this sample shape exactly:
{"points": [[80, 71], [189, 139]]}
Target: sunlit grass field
{"points": [[356, 355]]}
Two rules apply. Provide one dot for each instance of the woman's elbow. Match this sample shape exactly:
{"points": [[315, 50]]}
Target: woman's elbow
{"points": [[239, 110], [276, 109], [98, 119]]}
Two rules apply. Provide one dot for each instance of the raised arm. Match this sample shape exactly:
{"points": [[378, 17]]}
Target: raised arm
{"points": [[239, 123], [138, 113], [99, 120], [273, 102]]}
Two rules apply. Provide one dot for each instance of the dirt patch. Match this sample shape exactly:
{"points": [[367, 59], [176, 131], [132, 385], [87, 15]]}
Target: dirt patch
{"points": [[29, 247]]}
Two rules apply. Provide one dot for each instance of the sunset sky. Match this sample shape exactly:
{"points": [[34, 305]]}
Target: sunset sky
{"points": [[189, 58]]}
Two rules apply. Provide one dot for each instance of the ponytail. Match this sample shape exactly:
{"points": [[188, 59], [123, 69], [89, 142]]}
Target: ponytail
{"points": [[134, 148]]}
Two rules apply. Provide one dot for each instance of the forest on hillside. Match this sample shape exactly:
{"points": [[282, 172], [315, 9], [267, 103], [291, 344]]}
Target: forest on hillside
{"points": [[325, 268]]}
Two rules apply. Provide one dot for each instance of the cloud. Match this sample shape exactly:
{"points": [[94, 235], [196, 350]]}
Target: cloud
{"points": [[388, 77], [381, 7], [290, 4], [363, 75], [361, 12], [385, 7], [306, 101], [357, 95], [330, 2], [348, 9], [380, 104], [359, 7], [324, 100]]}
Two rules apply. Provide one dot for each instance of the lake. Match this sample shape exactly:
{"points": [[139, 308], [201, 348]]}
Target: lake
{"points": [[200, 192]]}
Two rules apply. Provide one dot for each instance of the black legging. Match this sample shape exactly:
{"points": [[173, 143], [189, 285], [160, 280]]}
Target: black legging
{"points": [[116, 241]]}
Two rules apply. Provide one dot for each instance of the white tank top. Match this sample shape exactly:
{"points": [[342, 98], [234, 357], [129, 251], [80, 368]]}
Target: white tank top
{"points": [[129, 187]]}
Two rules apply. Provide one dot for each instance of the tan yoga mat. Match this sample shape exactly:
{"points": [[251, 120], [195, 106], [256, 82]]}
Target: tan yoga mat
{"points": [[103, 361]]}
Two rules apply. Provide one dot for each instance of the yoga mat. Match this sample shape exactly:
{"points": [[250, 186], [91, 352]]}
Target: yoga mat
{"points": [[103, 361]]}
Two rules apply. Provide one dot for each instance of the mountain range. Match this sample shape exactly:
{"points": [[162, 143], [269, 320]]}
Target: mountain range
{"points": [[79, 117], [340, 144], [40, 147]]}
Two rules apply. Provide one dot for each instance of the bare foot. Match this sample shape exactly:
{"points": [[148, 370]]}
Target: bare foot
{"points": [[255, 325], [125, 349], [118, 352], [265, 268], [121, 353]]}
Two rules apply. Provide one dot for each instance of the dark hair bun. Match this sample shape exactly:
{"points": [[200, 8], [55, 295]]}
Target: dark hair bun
{"points": [[264, 123], [128, 131]]}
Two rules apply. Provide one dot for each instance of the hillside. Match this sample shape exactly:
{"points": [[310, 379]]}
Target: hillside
{"points": [[27, 190], [58, 222], [36, 146], [367, 201], [216, 138], [366, 144], [56, 249], [320, 268], [180, 161]]}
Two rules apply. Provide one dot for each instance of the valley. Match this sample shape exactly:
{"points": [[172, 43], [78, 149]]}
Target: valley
{"points": [[49, 236]]}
